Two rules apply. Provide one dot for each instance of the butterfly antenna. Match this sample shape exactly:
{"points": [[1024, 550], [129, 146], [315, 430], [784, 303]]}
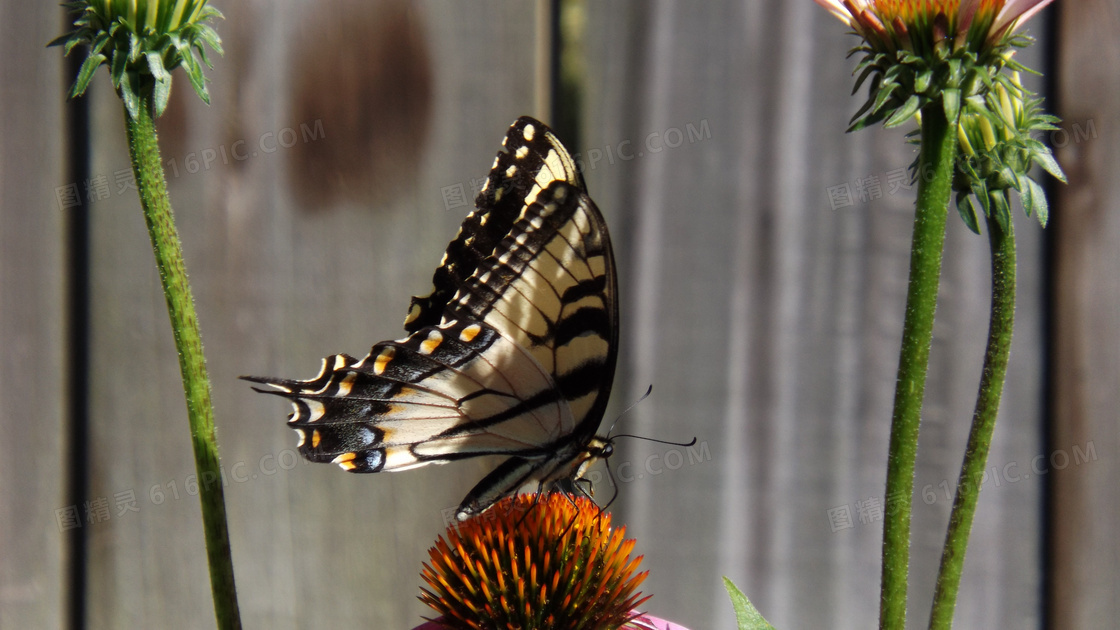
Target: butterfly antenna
{"points": [[649, 390], [649, 439]]}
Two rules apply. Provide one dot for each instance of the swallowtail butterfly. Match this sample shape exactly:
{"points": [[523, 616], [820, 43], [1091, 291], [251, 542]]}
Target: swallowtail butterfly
{"points": [[512, 353]]}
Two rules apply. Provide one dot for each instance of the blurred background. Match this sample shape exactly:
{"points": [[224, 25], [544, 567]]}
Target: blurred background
{"points": [[763, 256]]}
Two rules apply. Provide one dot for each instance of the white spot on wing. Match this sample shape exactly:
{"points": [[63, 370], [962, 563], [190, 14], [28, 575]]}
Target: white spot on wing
{"points": [[315, 409], [322, 371], [529, 132]]}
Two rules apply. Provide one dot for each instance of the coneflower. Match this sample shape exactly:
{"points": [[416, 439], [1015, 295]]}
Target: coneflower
{"points": [[552, 562]]}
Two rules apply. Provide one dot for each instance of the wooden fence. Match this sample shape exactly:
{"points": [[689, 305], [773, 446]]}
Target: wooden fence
{"points": [[762, 255]]}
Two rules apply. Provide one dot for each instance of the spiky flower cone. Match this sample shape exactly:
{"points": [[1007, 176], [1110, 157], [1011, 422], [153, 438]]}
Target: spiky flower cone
{"points": [[553, 563]]}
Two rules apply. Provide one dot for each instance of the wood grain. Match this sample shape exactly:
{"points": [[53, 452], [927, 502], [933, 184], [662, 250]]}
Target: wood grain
{"points": [[1086, 317], [766, 316], [32, 321]]}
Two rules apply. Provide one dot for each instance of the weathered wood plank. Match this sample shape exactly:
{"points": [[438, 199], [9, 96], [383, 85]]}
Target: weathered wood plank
{"points": [[767, 319], [32, 318], [1086, 318]]}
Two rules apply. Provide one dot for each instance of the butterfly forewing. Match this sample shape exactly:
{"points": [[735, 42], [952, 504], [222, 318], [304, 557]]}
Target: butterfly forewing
{"points": [[551, 289], [532, 159]]}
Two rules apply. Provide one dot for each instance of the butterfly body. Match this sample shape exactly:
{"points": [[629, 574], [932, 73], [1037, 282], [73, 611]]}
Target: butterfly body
{"points": [[512, 353]]}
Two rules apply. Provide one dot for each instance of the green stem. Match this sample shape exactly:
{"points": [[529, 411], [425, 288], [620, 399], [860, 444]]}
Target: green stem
{"points": [[935, 174], [144, 151], [983, 424]]}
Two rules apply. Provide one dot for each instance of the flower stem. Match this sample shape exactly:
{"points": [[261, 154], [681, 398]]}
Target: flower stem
{"points": [[935, 173], [144, 151], [983, 424]]}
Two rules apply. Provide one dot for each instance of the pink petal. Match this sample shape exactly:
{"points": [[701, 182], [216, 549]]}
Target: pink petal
{"points": [[965, 14], [649, 621], [645, 621], [837, 8], [1021, 10]]}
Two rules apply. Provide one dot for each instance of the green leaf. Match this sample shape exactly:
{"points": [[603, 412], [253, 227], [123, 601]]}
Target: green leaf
{"points": [[1008, 178], [135, 46], [922, 81], [1034, 146], [1000, 209], [74, 43], [209, 12], [1025, 193], [64, 39], [161, 94], [1049, 164], [129, 95], [976, 104], [904, 113], [118, 67], [1041, 208], [951, 103], [980, 191], [746, 615], [194, 73], [868, 71], [155, 66], [202, 53], [85, 74], [864, 122], [884, 95], [967, 211], [862, 110], [210, 36], [955, 72]]}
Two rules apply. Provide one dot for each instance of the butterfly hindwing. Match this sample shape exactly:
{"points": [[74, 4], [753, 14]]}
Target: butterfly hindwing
{"points": [[441, 394]]}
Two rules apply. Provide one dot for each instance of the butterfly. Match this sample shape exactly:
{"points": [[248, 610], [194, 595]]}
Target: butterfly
{"points": [[512, 353]]}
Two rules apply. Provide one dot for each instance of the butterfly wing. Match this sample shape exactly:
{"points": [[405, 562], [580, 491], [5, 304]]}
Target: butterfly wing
{"points": [[519, 360]]}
